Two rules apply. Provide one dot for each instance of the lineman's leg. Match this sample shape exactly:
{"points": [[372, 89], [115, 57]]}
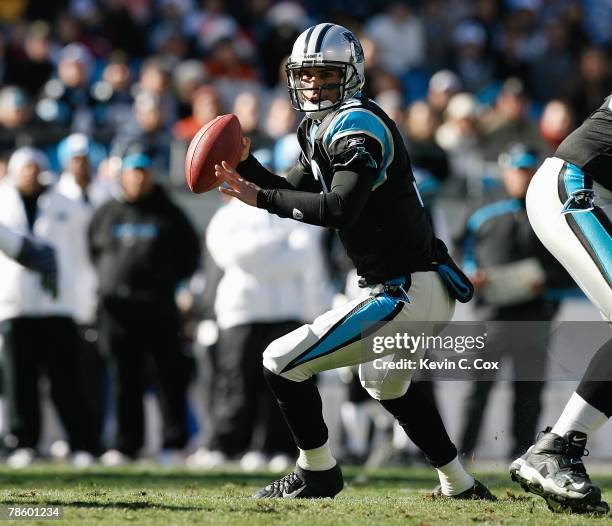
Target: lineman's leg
{"points": [[590, 406], [581, 239], [582, 242]]}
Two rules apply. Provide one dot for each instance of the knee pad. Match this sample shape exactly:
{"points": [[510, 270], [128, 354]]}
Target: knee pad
{"points": [[279, 354], [269, 359]]}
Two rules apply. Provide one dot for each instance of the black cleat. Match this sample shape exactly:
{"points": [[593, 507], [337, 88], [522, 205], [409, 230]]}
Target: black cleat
{"points": [[477, 492], [552, 468], [304, 484]]}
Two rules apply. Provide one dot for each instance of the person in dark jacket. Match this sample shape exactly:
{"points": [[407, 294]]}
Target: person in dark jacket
{"points": [[499, 245], [142, 246]]}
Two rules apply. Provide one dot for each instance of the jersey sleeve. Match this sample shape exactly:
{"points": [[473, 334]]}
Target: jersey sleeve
{"points": [[360, 148], [358, 140]]}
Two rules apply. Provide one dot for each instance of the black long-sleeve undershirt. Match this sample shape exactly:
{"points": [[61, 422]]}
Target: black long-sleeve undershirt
{"points": [[299, 196], [338, 208]]}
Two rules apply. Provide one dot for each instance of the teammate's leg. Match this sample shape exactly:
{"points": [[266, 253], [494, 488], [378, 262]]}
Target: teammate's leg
{"points": [[591, 405], [581, 239]]}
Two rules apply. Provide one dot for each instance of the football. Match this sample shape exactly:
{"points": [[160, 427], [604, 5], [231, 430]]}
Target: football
{"points": [[219, 140]]}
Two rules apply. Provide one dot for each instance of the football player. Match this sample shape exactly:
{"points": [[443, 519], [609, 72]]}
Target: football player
{"points": [[354, 175], [569, 203]]}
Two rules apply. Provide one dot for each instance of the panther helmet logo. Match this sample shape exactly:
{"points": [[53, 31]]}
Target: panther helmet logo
{"points": [[355, 44]]}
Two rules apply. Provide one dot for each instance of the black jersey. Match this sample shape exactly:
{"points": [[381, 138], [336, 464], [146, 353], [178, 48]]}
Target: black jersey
{"points": [[354, 175], [590, 146]]}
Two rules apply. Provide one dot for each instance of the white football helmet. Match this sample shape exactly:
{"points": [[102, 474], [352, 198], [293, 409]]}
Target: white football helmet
{"points": [[325, 45]]}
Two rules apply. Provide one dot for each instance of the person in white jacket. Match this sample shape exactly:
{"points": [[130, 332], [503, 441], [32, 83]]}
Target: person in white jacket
{"points": [[36, 324], [79, 157], [274, 279]]}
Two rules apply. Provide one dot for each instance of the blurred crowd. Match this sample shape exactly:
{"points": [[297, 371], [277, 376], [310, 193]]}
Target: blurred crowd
{"points": [[157, 70], [98, 102]]}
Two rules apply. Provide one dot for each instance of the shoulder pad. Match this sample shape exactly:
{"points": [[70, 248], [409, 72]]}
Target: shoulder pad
{"points": [[357, 120]]}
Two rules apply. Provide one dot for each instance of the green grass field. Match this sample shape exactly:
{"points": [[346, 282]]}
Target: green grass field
{"points": [[154, 496]]}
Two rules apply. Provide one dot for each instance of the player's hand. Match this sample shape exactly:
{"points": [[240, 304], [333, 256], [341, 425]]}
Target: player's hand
{"points": [[236, 186], [246, 148]]}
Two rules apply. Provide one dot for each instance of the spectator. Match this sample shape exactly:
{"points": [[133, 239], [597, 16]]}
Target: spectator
{"points": [[124, 29], [442, 86], [420, 127], [225, 62], [154, 79], [79, 157], [498, 240], [283, 23], [592, 84], [548, 72], [113, 98], [146, 129], [522, 40], [206, 105], [18, 126], [393, 105], [471, 62], [509, 121], [188, 76], [31, 66], [556, 123], [271, 281], [378, 78], [438, 31], [212, 24], [142, 246], [38, 328], [281, 118], [66, 100], [246, 108], [429, 161], [459, 135], [400, 38], [167, 39], [78, 154]]}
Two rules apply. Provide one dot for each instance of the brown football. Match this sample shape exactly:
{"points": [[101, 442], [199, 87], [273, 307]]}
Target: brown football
{"points": [[219, 140]]}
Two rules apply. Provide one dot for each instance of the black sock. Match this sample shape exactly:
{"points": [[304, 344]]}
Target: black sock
{"points": [[596, 384], [300, 403], [418, 415]]}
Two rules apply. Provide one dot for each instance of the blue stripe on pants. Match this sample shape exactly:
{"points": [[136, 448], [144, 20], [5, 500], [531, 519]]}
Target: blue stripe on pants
{"points": [[353, 326], [591, 228]]}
